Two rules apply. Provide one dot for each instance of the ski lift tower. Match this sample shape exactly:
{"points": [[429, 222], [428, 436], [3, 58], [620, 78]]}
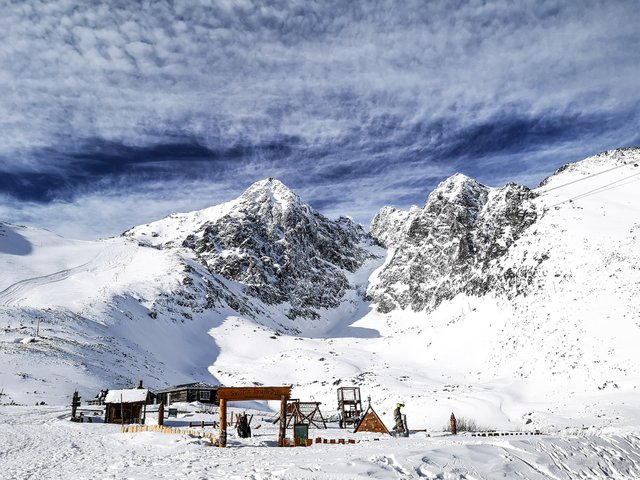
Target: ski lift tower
{"points": [[349, 405]]}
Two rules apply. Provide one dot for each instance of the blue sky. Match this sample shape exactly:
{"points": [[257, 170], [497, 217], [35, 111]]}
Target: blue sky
{"points": [[117, 113]]}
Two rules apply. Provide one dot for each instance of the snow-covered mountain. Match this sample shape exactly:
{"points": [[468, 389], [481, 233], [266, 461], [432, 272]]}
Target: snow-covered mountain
{"points": [[476, 240], [275, 246], [503, 304], [546, 279], [142, 305], [451, 245]]}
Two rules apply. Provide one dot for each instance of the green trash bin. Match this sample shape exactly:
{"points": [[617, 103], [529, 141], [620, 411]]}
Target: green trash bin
{"points": [[301, 431]]}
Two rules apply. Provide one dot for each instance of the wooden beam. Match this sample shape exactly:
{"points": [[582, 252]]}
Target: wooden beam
{"points": [[222, 441], [253, 393], [283, 420]]}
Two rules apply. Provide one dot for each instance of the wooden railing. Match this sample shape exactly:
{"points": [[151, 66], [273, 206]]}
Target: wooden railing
{"points": [[171, 430]]}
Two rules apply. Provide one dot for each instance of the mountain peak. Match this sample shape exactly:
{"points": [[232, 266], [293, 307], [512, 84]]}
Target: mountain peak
{"points": [[457, 183], [271, 190], [268, 199], [458, 189]]}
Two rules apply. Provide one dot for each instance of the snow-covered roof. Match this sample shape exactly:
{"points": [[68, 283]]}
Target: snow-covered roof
{"points": [[129, 395]]}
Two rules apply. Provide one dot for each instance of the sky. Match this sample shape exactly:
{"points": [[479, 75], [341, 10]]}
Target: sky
{"points": [[117, 113]]}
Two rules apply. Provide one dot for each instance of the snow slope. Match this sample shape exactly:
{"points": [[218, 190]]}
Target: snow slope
{"points": [[87, 300]]}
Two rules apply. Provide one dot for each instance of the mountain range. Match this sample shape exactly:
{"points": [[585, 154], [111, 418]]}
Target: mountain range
{"points": [[510, 305]]}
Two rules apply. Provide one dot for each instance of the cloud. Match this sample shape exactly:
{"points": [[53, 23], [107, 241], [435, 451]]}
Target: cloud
{"points": [[357, 104]]}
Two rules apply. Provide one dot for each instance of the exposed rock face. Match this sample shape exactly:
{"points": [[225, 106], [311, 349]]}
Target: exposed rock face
{"points": [[281, 249], [452, 245]]}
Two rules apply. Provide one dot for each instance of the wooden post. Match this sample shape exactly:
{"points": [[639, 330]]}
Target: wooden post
{"points": [[161, 414], [454, 427], [222, 442], [283, 420], [75, 403]]}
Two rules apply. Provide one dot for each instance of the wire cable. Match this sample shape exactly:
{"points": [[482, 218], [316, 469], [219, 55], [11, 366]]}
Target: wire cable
{"points": [[600, 189], [587, 177], [588, 194]]}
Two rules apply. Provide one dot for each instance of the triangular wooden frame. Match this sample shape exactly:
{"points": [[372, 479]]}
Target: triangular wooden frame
{"points": [[371, 423], [297, 415]]}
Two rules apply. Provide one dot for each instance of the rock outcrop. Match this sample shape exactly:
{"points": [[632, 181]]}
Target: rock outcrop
{"points": [[451, 245]]}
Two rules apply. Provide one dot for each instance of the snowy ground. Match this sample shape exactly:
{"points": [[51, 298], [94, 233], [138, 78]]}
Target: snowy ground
{"points": [[40, 442]]}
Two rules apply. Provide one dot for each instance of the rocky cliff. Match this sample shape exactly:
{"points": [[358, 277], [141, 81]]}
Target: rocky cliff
{"points": [[451, 245]]}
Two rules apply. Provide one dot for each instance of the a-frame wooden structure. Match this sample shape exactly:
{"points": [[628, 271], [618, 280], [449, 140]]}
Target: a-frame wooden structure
{"points": [[371, 423], [307, 413]]}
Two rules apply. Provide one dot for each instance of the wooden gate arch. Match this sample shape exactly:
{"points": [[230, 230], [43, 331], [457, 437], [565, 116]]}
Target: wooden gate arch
{"points": [[244, 394]]}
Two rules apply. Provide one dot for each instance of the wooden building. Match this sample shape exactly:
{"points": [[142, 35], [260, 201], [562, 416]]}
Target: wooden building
{"points": [[188, 392], [126, 406]]}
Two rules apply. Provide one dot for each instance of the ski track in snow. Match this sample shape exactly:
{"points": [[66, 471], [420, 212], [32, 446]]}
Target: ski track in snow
{"points": [[105, 260], [14, 293]]}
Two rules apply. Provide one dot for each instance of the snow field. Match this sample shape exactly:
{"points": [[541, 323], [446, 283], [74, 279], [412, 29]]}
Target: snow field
{"points": [[42, 443]]}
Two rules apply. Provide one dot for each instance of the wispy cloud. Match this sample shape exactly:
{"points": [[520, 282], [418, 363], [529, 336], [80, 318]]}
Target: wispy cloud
{"points": [[353, 104]]}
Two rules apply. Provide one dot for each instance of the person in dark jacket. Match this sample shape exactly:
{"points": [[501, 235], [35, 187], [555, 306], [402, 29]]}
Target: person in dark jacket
{"points": [[243, 428]]}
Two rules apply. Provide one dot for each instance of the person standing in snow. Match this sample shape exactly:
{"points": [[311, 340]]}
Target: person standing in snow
{"points": [[243, 428], [397, 416], [356, 424]]}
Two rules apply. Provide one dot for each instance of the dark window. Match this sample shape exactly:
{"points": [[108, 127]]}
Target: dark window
{"points": [[204, 395]]}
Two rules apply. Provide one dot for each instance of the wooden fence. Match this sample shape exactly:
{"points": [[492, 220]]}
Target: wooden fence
{"points": [[171, 430]]}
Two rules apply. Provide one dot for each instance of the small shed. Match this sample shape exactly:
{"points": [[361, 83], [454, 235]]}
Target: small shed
{"points": [[126, 406], [188, 392]]}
